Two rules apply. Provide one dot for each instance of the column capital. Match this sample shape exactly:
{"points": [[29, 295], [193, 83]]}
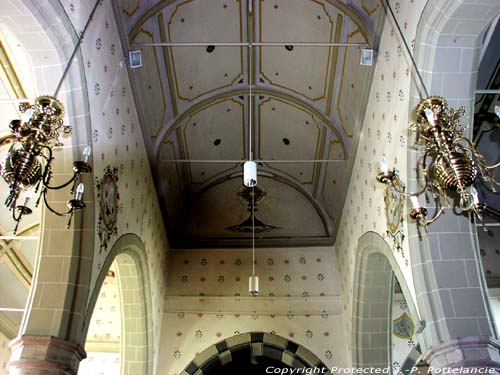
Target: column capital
{"points": [[465, 352], [44, 355]]}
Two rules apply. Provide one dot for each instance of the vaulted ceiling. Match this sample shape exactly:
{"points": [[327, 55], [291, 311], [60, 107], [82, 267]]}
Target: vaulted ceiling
{"points": [[194, 104]]}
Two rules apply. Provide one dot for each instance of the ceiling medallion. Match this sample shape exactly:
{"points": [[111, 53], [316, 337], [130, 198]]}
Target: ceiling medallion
{"points": [[248, 194], [107, 194]]}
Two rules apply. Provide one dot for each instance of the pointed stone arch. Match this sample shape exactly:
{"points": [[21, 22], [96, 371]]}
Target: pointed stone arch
{"points": [[136, 346], [375, 273]]}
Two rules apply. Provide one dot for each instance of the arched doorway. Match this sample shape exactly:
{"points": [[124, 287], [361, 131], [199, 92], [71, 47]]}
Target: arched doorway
{"points": [[376, 275], [253, 353], [129, 340]]}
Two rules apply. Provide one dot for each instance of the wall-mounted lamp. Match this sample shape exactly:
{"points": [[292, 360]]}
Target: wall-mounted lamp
{"points": [[450, 163], [28, 165]]}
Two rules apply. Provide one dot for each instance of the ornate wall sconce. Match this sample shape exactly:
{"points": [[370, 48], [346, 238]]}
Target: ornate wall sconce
{"points": [[450, 163], [28, 165]]}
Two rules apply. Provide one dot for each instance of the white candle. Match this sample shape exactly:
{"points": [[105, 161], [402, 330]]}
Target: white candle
{"points": [[384, 165], [86, 153], [474, 194], [79, 191], [429, 115], [415, 203], [27, 197]]}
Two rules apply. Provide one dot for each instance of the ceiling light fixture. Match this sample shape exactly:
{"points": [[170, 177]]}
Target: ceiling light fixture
{"points": [[250, 177], [28, 165], [450, 163]]}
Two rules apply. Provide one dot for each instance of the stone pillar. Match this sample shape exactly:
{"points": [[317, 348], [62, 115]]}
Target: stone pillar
{"points": [[44, 355], [464, 354]]}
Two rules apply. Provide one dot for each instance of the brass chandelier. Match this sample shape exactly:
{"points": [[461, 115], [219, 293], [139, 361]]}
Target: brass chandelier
{"points": [[28, 165], [450, 163]]}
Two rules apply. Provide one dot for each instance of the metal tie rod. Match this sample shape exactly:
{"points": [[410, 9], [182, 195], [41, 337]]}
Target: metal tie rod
{"points": [[242, 161], [248, 44], [8, 309], [487, 91]]}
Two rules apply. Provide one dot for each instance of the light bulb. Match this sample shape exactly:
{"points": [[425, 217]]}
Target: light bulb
{"points": [[86, 153], [79, 191], [415, 203], [430, 116], [384, 165]]}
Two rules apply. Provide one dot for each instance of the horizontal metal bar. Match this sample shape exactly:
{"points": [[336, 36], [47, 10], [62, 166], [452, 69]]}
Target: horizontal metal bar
{"points": [[7, 309], [20, 238], [488, 225], [242, 161], [487, 91], [248, 44]]}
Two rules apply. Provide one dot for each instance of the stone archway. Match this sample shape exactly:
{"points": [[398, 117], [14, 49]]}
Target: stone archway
{"points": [[376, 270], [136, 344], [274, 349], [446, 266]]}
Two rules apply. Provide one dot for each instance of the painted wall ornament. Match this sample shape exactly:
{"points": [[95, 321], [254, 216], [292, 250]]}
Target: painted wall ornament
{"points": [[394, 206], [403, 327], [107, 194]]}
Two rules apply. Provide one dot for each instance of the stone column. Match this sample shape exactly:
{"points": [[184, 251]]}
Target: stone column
{"points": [[44, 355], [464, 354]]}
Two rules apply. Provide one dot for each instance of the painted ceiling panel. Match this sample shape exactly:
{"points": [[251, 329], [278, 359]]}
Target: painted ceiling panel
{"points": [[170, 177], [287, 133], [201, 70], [304, 70], [352, 84], [150, 83], [304, 102], [215, 133], [221, 207], [334, 178]]}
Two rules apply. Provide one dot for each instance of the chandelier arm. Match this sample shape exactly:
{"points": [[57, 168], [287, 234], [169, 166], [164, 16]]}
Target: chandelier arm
{"points": [[44, 193], [73, 179], [438, 214], [6, 138], [414, 194], [484, 169], [477, 155]]}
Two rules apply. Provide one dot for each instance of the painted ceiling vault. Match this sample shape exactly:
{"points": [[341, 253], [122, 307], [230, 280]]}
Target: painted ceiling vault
{"points": [[195, 104]]}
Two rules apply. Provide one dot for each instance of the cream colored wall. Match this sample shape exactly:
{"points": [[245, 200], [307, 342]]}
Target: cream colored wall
{"points": [[208, 301], [118, 143], [4, 354], [384, 132]]}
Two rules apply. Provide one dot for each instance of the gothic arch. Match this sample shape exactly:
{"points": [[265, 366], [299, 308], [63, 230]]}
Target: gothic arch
{"points": [[58, 312], [254, 344], [448, 28], [375, 272], [133, 279]]}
